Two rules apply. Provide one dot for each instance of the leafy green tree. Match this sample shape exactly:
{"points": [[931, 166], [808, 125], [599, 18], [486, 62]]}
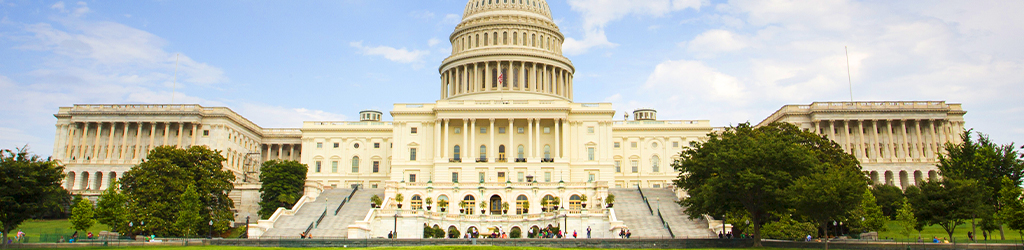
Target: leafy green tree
{"points": [[985, 161], [29, 185], [112, 209], [906, 220], [889, 198], [189, 221], [787, 228], [750, 169], [947, 203], [283, 183], [153, 188], [82, 216], [828, 196], [1013, 207], [868, 216]]}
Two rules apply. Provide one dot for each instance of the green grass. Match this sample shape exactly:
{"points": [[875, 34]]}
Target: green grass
{"points": [[402, 248], [960, 234], [35, 228]]}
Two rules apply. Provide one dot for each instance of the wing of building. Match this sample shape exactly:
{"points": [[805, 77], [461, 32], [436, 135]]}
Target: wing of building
{"points": [[505, 147]]}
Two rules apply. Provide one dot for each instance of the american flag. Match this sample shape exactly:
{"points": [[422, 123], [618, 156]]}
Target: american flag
{"points": [[501, 78]]}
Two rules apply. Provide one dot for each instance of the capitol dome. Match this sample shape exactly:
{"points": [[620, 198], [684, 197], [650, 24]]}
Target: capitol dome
{"points": [[506, 49]]}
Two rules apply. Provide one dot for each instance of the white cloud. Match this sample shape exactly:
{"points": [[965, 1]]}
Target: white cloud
{"points": [[82, 8], [433, 41], [714, 41], [59, 6], [452, 19], [422, 14], [402, 55], [269, 116], [598, 13], [684, 77]]}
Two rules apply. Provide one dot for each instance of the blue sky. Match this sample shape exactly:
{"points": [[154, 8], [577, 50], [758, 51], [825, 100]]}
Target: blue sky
{"points": [[281, 63]]}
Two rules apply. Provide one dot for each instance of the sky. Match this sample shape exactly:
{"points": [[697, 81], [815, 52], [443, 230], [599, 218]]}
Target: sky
{"points": [[279, 63]]}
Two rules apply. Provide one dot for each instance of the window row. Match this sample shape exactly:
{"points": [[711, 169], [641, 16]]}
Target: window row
{"points": [[635, 165]]}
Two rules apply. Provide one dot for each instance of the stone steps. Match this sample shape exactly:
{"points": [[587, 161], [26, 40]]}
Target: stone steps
{"points": [[675, 215], [631, 210], [291, 226], [336, 226]]}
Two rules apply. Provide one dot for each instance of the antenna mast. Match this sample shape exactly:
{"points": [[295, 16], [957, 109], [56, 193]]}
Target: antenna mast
{"points": [[848, 77], [175, 82]]}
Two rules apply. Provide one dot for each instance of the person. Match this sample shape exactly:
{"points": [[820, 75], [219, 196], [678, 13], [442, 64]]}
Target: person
{"points": [[984, 234], [721, 235], [628, 233], [935, 239], [73, 237], [88, 235], [20, 235], [970, 236], [573, 234], [808, 238], [391, 234], [588, 232], [302, 235]]}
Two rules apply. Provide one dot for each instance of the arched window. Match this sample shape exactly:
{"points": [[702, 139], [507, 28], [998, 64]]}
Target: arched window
{"points": [[521, 203], [416, 202], [495, 38], [655, 161], [355, 164], [547, 151], [520, 151], [574, 202], [483, 152], [501, 151], [486, 40], [470, 204], [550, 202], [458, 153], [504, 38], [515, 38], [442, 204]]}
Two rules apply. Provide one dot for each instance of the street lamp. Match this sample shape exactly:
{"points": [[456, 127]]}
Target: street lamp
{"points": [[211, 230], [395, 236]]}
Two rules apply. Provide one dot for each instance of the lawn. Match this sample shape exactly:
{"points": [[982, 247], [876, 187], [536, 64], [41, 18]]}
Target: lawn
{"points": [[402, 248], [960, 233], [34, 229]]}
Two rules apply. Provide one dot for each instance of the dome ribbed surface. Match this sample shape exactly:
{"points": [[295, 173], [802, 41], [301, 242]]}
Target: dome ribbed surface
{"points": [[539, 7]]}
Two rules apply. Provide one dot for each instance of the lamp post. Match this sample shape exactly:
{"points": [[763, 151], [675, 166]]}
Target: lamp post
{"points": [[396, 225], [210, 235]]}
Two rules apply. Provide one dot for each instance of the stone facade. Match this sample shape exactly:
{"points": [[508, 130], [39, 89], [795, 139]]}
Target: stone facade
{"points": [[505, 129]]}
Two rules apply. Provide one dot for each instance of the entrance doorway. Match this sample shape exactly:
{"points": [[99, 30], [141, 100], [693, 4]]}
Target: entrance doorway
{"points": [[495, 204]]}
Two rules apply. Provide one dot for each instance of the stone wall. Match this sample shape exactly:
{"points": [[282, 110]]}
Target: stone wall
{"points": [[559, 243]]}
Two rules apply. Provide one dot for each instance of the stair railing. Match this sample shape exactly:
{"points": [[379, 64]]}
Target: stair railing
{"points": [[348, 198], [310, 228], [663, 223], [645, 199], [321, 218]]}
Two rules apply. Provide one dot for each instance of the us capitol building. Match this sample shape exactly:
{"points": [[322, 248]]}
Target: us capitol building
{"points": [[505, 132]]}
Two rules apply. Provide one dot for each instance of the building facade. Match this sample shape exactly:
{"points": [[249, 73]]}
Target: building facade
{"points": [[505, 132]]}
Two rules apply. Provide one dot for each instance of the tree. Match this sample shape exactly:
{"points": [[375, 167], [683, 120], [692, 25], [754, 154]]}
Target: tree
{"points": [[112, 210], [828, 196], [29, 185], [868, 216], [750, 169], [153, 188], [82, 216], [947, 203], [906, 220], [1013, 207], [986, 162], [283, 183], [889, 198], [189, 221], [786, 228]]}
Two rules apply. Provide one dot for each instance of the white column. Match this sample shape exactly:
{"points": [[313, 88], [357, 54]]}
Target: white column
{"points": [[511, 150], [465, 139], [891, 145], [490, 131], [195, 134], [903, 144], [529, 137], [181, 127], [96, 142], [558, 139], [472, 139], [918, 145], [536, 146], [874, 145], [437, 139], [862, 143], [291, 152], [280, 151], [167, 130], [124, 143], [446, 131]]}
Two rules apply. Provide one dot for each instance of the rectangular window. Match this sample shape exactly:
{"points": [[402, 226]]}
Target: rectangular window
{"points": [[590, 130], [521, 176], [675, 144], [591, 177], [483, 130], [636, 165], [632, 144], [455, 177], [412, 154], [318, 166], [376, 145], [319, 145], [355, 167], [376, 166], [520, 130], [547, 130], [412, 177], [206, 132], [373, 185], [617, 144], [336, 145], [547, 176], [590, 153], [458, 131], [618, 166], [412, 130], [334, 166], [501, 130], [483, 177]]}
